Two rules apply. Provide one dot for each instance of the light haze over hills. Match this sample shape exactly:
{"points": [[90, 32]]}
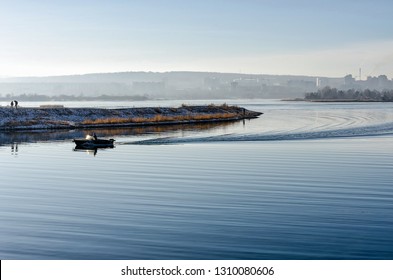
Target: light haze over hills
{"points": [[182, 85]]}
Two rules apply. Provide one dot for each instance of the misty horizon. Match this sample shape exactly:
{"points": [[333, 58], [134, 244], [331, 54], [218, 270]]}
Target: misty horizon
{"points": [[178, 85], [6, 77]]}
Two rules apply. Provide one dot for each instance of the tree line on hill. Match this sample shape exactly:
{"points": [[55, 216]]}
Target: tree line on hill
{"points": [[333, 94]]}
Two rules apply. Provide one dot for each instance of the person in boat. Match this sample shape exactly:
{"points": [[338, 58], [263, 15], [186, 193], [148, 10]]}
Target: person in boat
{"points": [[95, 136]]}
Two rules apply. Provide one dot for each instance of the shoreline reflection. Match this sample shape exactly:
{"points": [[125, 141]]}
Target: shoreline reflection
{"points": [[87, 151], [34, 136], [14, 149]]}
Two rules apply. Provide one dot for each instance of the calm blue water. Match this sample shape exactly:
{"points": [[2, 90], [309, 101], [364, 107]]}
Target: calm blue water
{"points": [[304, 181]]}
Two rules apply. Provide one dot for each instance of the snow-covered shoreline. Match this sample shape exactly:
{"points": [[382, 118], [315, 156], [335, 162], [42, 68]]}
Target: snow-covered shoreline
{"points": [[24, 118]]}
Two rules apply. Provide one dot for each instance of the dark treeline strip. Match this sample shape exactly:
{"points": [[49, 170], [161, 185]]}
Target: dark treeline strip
{"points": [[328, 93]]}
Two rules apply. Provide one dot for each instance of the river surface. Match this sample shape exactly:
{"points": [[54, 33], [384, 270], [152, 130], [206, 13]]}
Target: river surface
{"points": [[303, 181]]}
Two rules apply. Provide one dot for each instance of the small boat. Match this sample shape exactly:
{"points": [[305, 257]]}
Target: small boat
{"points": [[93, 142]]}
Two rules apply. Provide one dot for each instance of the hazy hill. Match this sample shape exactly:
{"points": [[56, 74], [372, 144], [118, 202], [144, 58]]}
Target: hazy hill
{"points": [[166, 85]]}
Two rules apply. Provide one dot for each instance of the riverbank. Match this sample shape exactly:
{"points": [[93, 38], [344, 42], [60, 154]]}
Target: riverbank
{"points": [[68, 118]]}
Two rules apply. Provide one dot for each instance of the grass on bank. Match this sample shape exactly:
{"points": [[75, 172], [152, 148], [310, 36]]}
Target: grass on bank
{"points": [[29, 123], [161, 118]]}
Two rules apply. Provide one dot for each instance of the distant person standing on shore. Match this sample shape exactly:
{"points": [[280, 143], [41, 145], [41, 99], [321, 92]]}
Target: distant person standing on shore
{"points": [[16, 104], [12, 104]]}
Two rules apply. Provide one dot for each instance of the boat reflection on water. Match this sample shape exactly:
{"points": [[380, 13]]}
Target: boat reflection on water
{"points": [[87, 151], [35, 136], [90, 151]]}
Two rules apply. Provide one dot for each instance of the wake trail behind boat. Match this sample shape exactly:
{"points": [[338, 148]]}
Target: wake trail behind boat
{"points": [[374, 130]]}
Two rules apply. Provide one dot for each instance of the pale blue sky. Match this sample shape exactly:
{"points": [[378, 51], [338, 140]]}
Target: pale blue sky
{"points": [[320, 38]]}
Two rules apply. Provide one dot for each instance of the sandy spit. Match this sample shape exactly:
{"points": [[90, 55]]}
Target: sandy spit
{"points": [[24, 118]]}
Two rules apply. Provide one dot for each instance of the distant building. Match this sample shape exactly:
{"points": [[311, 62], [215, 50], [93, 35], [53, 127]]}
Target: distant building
{"points": [[318, 83], [383, 82], [371, 83], [378, 83], [349, 80], [246, 84]]}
